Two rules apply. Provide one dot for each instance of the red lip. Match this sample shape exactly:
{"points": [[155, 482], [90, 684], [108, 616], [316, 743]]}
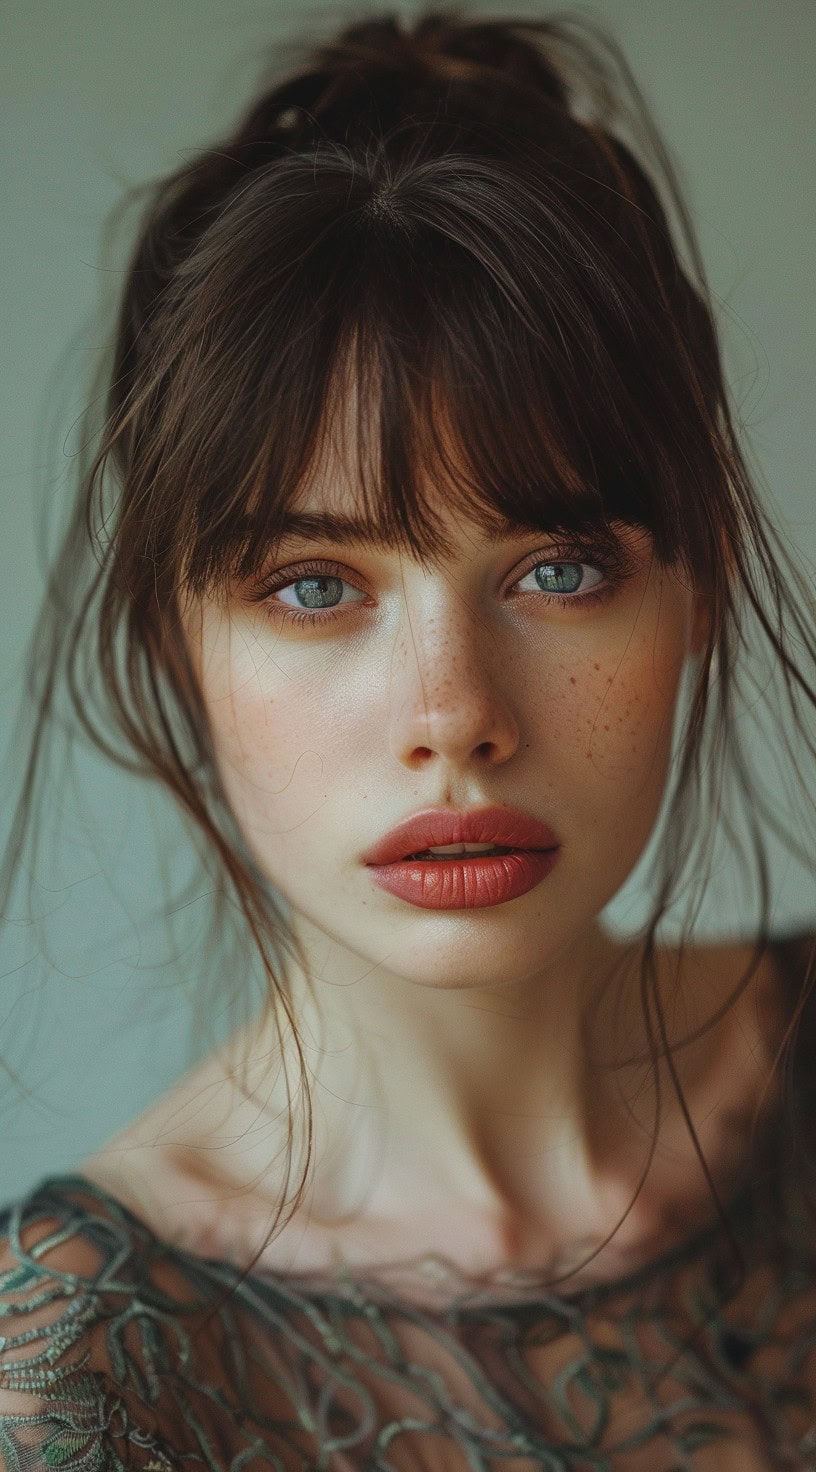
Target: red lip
{"points": [[505, 826]]}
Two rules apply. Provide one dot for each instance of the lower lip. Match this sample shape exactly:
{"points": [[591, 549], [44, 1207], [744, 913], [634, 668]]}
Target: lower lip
{"points": [[465, 884]]}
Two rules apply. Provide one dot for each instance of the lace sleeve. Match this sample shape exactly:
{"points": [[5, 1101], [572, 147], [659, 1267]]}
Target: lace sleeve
{"points": [[76, 1389], [119, 1351]]}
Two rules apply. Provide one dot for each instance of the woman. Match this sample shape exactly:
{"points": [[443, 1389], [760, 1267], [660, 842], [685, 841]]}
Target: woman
{"points": [[426, 564]]}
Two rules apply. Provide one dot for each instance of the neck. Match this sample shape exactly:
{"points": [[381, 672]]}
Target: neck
{"points": [[421, 1092]]}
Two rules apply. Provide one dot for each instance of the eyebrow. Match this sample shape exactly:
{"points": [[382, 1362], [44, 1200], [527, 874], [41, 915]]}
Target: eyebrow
{"points": [[319, 526], [331, 526]]}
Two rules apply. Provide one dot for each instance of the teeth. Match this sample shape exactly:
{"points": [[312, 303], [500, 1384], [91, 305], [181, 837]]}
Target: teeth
{"points": [[458, 850], [461, 848]]}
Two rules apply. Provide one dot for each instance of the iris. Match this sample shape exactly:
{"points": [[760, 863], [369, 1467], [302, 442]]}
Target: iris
{"points": [[316, 589], [559, 577]]}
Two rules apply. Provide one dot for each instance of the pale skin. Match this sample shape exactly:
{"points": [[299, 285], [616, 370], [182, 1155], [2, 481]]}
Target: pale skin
{"points": [[461, 1108]]}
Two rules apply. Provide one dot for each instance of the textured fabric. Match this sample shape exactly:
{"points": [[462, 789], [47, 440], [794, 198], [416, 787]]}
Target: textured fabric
{"points": [[119, 1350]]}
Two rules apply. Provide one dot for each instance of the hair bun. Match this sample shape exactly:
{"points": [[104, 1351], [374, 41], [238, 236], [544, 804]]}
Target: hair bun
{"points": [[445, 47]]}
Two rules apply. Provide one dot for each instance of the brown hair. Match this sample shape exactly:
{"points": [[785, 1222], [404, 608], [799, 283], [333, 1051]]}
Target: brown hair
{"points": [[458, 217]]}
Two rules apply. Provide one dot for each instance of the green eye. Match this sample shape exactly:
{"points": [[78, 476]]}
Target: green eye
{"points": [[559, 577], [318, 592], [564, 578]]}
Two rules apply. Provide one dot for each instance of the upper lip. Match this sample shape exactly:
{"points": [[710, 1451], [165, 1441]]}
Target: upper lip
{"points": [[505, 826]]}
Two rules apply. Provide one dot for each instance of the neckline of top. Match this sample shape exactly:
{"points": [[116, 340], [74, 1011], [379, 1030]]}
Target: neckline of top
{"points": [[524, 1287], [475, 1291]]}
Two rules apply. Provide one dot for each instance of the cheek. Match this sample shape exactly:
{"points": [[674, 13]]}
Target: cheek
{"points": [[598, 716], [614, 711], [617, 717], [269, 734]]}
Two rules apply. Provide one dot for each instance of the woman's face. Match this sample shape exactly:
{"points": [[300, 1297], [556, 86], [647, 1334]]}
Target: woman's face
{"points": [[468, 682]]}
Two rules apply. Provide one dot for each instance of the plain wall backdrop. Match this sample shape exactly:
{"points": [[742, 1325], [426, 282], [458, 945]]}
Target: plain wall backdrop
{"points": [[99, 94]]}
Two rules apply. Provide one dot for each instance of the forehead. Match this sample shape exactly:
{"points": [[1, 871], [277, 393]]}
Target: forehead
{"points": [[338, 528], [341, 497], [395, 460]]}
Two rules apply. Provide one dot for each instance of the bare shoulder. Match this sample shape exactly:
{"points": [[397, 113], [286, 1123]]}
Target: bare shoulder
{"points": [[732, 975], [728, 1006], [183, 1165], [725, 1008]]}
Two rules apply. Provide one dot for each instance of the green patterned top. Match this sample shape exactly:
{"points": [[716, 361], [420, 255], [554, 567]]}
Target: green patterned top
{"points": [[120, 1350]]}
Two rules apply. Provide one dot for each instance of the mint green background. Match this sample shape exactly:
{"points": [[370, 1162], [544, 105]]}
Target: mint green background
{"points": [[97, 94]]}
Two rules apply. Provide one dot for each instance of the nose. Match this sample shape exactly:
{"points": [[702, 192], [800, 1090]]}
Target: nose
{"points": [[449, 702]]}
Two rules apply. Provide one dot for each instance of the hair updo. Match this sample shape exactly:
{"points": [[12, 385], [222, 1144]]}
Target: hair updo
{"points": [[458, 217]]}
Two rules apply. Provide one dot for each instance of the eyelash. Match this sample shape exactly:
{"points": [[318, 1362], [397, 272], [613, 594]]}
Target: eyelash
{"points": [[614, 568]]}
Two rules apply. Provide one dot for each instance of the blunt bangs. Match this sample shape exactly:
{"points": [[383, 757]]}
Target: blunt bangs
{"points": [[377, 308]]}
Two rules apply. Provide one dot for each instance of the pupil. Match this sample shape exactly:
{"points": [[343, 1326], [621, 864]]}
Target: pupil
{"points": [[559, 577], [319, 592]]}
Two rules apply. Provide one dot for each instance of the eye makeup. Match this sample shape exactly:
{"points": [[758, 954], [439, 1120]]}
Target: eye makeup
{"points": [[613, 568]]}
